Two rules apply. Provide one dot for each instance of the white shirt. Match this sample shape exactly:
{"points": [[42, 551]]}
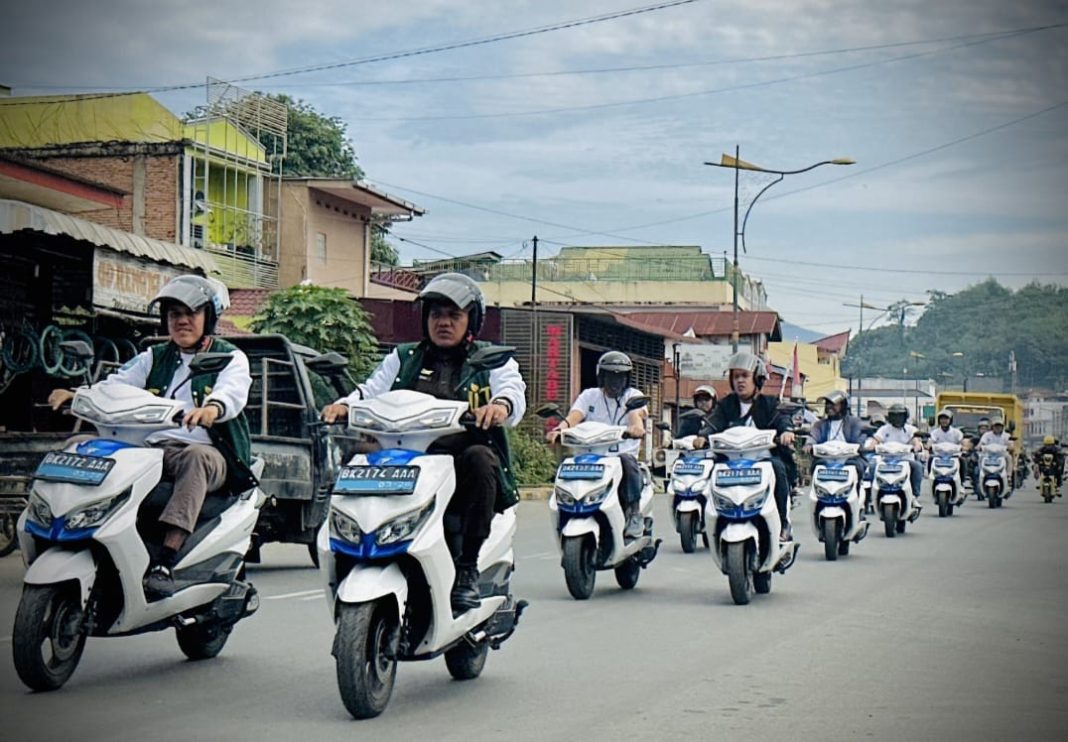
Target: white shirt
{"points": [[231, 388], [598, 407], [991, 437], [743, 409], [505, 382], [889, 434], [953, 435], [834, 431]]}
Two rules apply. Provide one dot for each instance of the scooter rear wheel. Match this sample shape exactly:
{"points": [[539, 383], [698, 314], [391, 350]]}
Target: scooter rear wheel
{"points": [[49, 635], [365, 669], [628, 572], [202, 642], [9, 540], [466, 662]]}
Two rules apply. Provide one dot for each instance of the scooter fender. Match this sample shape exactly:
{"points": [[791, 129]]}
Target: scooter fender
{"points": [[580, 527], [63, 565], [688, 506], [367, 583], [833, 511]]}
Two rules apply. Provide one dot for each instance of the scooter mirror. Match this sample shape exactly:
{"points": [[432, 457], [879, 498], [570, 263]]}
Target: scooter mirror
{"points": [[637, 402], [689, 414], [491, 357], [327, 363], [547, 410], [663, 426], [209, 363]]}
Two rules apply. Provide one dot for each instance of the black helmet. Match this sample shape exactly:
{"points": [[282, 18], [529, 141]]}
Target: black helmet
{"points": [[613, 371], [195, 292], [897, 415], [459, 291], [747, 361], [832, 400]]}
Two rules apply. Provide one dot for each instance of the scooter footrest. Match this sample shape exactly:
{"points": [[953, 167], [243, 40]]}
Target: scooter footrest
{"points": [[788, 561], [502, 623]]}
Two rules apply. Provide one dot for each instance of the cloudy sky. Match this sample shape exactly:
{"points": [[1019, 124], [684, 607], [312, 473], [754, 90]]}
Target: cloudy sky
{"points": [[956, 113]]}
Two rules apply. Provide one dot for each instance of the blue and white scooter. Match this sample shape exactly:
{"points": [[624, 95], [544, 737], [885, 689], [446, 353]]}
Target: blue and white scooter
{"points": [[385, 556], [837, 498], [946, 489], [688, 487], [743, 519], [586, 514], [892, 487], [993, 473]]}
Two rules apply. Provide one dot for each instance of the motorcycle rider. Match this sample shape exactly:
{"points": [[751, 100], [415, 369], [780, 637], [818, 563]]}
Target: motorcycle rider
{"points": [[453, 311], [971, 447], [211, 448], [838, 425], [746, 406], [1051, 445], [606, 403], [997, 435], [898, 430], [704, 400], [944, 432]]}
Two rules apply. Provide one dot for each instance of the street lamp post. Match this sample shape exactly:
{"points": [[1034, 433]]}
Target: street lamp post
{"points": [[736, 163], [963, 371], [678, 383]]}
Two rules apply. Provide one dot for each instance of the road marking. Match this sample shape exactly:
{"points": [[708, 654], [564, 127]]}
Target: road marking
{"points": [[318, 596], [4, 639], [317, 591]]}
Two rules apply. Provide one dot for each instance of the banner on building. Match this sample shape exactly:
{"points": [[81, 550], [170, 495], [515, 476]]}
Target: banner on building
{"points": [[703, 361], [127, 283]]}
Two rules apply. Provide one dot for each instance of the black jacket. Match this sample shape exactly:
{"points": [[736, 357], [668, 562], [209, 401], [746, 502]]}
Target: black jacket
{"points": [[728, 413]]}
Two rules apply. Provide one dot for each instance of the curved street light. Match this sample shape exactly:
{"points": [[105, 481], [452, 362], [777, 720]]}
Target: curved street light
{"points": [[736, 164]]}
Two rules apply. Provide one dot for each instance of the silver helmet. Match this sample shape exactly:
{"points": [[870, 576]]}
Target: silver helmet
{"points": [[706, 390], [459, 290], [195, 292], [746, 361]]}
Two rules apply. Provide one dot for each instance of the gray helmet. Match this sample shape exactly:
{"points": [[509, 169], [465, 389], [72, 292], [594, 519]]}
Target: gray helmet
{"points": [[194, 292], [897, 415], [706, 390], [613, 371], [747, 361], [945, 412], [835, 398], [459, 290]]}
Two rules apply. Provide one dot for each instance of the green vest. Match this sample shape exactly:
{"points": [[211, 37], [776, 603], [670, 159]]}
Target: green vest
{"points": [[231, 437], [478, 394]]}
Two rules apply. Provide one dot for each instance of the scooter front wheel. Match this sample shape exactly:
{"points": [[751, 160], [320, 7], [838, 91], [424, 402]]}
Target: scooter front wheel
{"points": [[364, 647], [739, 575], [688, 528], [830, 538], [890, 520], [49, 635], [579, 572]]}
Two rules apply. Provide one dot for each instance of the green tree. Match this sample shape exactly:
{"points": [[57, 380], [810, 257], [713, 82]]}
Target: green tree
{"points": [[382, 251], [318, 145], [534, 461], [324, 319]]}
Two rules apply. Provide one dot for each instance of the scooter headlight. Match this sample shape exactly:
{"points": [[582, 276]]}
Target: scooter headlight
{"points": [[345, 527], [402, 528], [597, 496], [93, 515], [563, 497], [38, 511], [755, 502], [723, 503]]}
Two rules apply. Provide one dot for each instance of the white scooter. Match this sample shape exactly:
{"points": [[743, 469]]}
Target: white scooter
{"points": [[837, 498], [892, 487], [688, 488], [83, 538], [586, 514], [946, 488], [742, 517], [993, 474], [386, 551]]}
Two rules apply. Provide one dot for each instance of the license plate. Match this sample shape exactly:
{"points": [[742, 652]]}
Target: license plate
{"points": [[74, 468], [376, 480], [889, 469], [834, 475], [581, 471], [688, 469], [738, 477]]}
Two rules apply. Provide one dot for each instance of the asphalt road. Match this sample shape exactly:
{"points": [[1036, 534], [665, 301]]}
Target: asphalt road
{"points": [[953, 632]]}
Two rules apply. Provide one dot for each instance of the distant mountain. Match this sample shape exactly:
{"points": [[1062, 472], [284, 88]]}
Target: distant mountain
{"points": [[795, 332]]}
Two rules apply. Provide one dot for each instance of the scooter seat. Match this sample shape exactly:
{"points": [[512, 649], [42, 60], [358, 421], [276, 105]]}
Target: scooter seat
{"points": [[152, 507]]}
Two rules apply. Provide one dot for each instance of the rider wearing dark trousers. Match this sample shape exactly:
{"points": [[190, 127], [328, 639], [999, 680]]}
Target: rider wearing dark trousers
{"points": [[745, 406]]}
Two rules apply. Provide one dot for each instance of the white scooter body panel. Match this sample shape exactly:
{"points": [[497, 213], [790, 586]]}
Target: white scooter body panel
{"points": [[892, 472], [945, 465], [689, 469], [835, 491]]}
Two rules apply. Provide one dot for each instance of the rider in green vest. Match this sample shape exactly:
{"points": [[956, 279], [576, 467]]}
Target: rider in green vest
{"points": [[453, 310], [210, 450]]}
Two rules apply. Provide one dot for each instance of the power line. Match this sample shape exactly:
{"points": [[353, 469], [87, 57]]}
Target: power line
{"points": [[922, 272], [708, 91], [482, 41]]}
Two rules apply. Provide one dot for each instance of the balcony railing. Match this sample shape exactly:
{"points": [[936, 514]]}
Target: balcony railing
{"points": [[241, 269]]}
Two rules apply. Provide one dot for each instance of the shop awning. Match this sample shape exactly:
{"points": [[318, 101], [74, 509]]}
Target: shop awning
{"points": [[16, 216]]}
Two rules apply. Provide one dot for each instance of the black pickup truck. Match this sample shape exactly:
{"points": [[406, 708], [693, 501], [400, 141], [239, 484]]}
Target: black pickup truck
{"points": [[290, 384]]}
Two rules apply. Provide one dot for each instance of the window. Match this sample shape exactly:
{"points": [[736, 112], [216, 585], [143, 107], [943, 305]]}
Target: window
{"points": [[320, 246]]}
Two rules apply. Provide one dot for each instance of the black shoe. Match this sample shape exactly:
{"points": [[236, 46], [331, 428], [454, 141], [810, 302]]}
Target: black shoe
{"points": [[464, 596], [159, 582]]}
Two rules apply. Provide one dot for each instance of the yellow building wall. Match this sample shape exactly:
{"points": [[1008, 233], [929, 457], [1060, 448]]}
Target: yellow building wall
{"points": [[821, 378], [42, 121], [515, 293], [223, 136]]}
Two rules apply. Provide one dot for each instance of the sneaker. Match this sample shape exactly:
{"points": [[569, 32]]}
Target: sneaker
{"points": [[786, 534], [635, 527], [464, 596], [159, 582]]}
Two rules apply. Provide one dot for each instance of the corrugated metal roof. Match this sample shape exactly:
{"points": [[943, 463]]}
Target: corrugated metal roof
{"points": [[710, 323], [16, 216]]}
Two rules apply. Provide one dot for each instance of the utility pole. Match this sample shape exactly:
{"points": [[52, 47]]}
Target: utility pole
{"points": [[734, 272], [535, 335]]}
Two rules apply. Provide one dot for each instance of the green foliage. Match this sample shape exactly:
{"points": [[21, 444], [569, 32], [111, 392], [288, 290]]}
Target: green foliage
{"points": [[381, 249], [318, 145], [985, 322], [533, 461], [324, 319]]}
